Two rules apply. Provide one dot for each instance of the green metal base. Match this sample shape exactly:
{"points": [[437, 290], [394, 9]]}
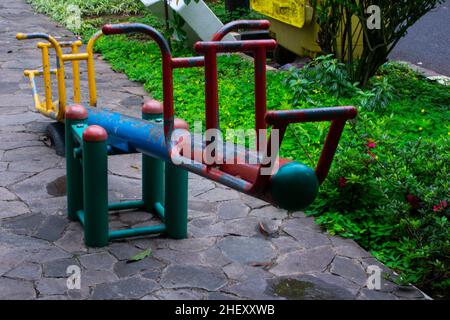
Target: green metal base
{"points": [[132, 232], [87, 191]]}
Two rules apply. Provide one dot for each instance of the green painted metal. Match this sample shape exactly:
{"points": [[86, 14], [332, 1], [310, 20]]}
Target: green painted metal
{"points": [[74, 175], [77, 152], [159, 209], [80, 215], [175, 206], [88, 190], [124, 205], [152, 176], [119, 234], [294, 186], [77, 130], [95, 175]]}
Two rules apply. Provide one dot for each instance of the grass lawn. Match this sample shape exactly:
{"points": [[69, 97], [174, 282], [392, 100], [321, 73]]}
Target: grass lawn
{"points": [[389, 185]]}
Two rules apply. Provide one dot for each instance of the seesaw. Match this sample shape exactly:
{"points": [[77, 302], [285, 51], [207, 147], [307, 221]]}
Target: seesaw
{"points": [[169, 150]]}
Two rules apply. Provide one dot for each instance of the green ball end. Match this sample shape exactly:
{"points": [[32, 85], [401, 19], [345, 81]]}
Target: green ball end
{"points": [[294, 187]]}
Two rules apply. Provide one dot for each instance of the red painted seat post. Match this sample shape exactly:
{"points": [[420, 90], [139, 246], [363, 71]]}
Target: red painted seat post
{"points": [[260, 95], [211, 89], [167, 68], [260, 70], [210, 50]]}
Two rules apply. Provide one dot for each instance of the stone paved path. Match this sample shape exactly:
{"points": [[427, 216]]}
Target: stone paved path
{"points": [[225, 257]]}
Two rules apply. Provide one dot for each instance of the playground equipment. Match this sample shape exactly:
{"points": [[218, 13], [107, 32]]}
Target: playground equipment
{"points": [[294, 27], [94, 133], [56, 109]]}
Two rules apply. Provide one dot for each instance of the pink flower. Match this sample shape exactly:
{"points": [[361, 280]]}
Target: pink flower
{"points": [[371, 154], [371, 144], [342, 182], [414, 201], [440, 206]]}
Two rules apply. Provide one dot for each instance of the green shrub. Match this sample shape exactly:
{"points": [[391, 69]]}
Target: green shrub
{"points": [[218, 7], [378, 96], [59, 9], [328, 76], [323, 73], [391, 196], [389, 185]]}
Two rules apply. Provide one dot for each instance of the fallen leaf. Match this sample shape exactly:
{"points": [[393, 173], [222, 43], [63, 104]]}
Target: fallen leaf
{"points": [[141, 255]]}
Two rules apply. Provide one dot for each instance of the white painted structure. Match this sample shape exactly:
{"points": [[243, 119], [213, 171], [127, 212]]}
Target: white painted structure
{"points": [[201, 22]]}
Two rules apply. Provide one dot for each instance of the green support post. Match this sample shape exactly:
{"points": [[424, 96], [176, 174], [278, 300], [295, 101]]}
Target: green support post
{"points": [[152, 168], [75, 115], [95, 175], [175, 206]]}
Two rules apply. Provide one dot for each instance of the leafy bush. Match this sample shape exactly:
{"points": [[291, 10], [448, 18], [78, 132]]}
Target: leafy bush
{"points": [[377, 97], [218, 7], [60, 9], [329, 76], [391, 196], [324, 72], [389, 185]]}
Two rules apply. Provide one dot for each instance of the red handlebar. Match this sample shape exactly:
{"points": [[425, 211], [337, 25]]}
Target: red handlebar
{"points": [[285, 117], [240, 24], [123, 28], [234, 46]]}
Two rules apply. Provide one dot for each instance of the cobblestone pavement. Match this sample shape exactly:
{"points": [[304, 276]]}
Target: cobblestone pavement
{"points": [[225, 257]]}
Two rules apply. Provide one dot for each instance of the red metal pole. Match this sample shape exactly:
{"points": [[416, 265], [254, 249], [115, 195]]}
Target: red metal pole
{"points": [[211, 90], [240, 24], [260, 93], [188, 62], [167, 78], [329, 149]]}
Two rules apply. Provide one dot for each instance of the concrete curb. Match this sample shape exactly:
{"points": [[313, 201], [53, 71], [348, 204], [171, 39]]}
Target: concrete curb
{"points": [[429, 74]]}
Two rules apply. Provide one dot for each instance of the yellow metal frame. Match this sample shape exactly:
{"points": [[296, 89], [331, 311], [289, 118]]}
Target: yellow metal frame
{"points": [[56, 109], [292, 12]]}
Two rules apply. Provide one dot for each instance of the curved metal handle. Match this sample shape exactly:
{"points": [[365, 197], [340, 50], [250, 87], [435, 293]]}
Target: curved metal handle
{"points": [[234, 46], [286, 117], [240, 24], [338, 116], [124, 28], [60, 66], [39, 35]]}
